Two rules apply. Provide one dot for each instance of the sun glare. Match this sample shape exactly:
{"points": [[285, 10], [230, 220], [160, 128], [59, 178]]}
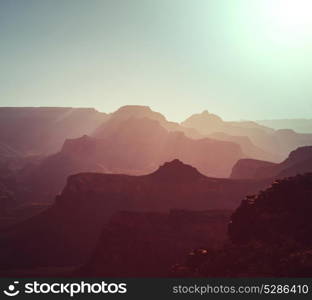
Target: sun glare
{"points": [[290, 16]]}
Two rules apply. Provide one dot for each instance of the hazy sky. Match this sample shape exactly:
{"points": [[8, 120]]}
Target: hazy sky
{"points": [[241, 59]]}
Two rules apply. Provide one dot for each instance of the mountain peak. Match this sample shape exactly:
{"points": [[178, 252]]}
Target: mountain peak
{"points": [[300, 154], [134, 108], [177, 169], [207, 114], [138, 111], [205, 118]]}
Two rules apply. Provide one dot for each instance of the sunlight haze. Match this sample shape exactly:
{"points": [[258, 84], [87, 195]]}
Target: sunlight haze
{"points": [[238, 59]]}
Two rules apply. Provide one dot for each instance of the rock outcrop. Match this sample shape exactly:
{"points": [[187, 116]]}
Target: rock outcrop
{"points": [[270, 236], [298, 162]]}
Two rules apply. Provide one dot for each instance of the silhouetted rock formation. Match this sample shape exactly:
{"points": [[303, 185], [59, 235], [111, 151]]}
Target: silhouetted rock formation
{"points": [[127, 112], [66, 233], [246, 145], [248, 168], [278, 214], [177, 170], [298, 162], [271, 235], [136, 146], [43, 130], [133, 140], [279, 143], [139, 146], [298, 125]]}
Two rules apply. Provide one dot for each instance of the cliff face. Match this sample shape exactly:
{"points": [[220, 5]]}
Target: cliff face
{"points": [[66, 233], [298, 162]]}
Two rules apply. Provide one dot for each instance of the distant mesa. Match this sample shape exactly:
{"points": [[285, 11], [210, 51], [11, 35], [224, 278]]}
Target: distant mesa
{"points": [[203, 121], [90, 199], [275, 144], [248, 168], [43, 130], [260, 144], [299, 161], [138, 111], [298, 125], [43, 146], [285, 132], [132, 146], [127, 112]]}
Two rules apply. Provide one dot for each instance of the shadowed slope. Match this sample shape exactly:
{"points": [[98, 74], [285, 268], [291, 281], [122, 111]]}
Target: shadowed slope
{"points": [[298, 162], [66, 233], [270, 236], [148, 244]]}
